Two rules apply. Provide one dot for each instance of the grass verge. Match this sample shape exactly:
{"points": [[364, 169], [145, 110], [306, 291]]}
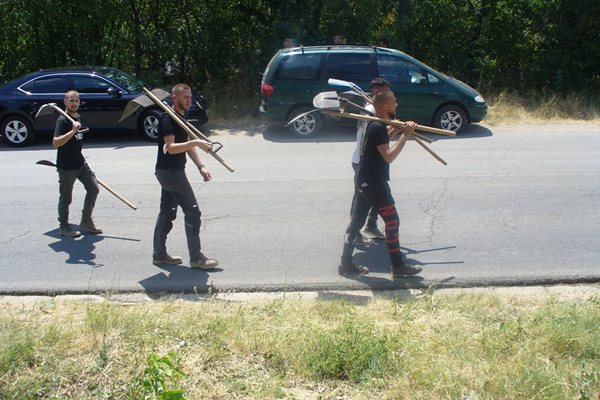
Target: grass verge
{"points": [[504, 108], [460, 346]]}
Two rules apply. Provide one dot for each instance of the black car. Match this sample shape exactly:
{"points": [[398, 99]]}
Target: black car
{"points": [[104, 93]]}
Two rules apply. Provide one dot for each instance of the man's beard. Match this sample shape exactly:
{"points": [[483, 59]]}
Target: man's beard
{"points": [[392, 114]]}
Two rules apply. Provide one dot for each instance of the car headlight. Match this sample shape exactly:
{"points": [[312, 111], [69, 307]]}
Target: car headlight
{"points": [[479, 99]]}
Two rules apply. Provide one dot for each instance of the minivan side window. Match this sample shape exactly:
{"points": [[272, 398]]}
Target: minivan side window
{"points": [[47, 84], [349, 66], [397, 70], [299, 67]]}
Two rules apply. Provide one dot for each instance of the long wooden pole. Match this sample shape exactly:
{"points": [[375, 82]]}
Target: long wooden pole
{"points": [[100, 182], [398, 124], [395, 124], [166, 108]]}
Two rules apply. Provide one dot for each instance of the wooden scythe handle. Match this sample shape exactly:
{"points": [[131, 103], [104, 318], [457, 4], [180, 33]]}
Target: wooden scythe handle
{"points": [[100, 182], [388, 122], [183, 125]]}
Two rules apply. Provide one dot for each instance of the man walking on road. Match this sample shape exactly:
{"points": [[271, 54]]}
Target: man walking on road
{"points": [[370, 229], [371, 181], [173, 145], [71, 166]]}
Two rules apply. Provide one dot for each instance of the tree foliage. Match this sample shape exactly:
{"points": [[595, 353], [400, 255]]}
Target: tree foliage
{"points": [[222, 46]]}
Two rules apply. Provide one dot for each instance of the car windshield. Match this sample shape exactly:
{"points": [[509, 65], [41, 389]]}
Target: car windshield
{"points": [[130, 82]]}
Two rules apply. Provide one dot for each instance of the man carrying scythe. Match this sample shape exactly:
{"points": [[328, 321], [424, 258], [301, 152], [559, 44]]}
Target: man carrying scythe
{"points": [[71, 166], [176, 191], [371, 181]]}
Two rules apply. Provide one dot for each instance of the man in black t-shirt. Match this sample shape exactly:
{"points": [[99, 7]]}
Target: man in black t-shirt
{"points": [[371, 181], [71, 166], [173, 145]]}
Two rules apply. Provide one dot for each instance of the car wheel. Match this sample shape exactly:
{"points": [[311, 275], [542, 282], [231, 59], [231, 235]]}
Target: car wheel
{"points": [[148, 125], [306, 126], [17, 131], [451, 118]]}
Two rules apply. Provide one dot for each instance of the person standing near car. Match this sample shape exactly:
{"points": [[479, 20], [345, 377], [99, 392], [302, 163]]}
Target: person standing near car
{"points": [[71, 165], [370, 229], [173, 146], [372, 178]]}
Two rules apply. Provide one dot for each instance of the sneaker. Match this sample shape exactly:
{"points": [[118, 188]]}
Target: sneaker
{"points": [[166, 259], [403, 269], [373, 232], [363, 241], [66, 231], [204, 263], [89, 227], [351, 269]]}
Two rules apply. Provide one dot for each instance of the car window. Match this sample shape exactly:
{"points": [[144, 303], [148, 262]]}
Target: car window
{"points": [[433, 79], [90, 84], [47, 84], [349, 66], [124, 79], [397, 70], [299, 67]]}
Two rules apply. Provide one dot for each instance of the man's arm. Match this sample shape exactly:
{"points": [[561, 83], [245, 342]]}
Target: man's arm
{"points": [[195, 157], [389, 153], [58, 141], [175, 148]]}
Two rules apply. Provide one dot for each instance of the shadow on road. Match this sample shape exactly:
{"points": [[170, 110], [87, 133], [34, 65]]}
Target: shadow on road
{"points": [[472, 131], [80, 250], [376, 258], [329, 133], [177, 279]]}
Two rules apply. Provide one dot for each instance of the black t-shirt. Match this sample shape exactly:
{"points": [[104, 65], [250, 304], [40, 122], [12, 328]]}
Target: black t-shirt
{"points": [[69, 154], [169, 127], [372, 166]]}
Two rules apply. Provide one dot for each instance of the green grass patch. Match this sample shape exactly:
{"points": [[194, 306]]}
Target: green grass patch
{"points": [[467, 346]]}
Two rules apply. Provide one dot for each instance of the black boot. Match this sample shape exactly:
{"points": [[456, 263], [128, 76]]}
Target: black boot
{"points": [[400, 268], [347, 267]]}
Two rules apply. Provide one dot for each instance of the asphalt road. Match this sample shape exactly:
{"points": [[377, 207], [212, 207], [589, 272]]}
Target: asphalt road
{"points": [[516, 205]]}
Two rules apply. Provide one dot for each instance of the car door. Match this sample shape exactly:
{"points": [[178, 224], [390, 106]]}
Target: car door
{"points": [[44, 89], [411, 86], [99, 109]]}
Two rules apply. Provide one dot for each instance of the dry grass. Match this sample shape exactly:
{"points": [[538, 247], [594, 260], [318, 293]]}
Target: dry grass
{"points": [[506, 108], [463, 346]]}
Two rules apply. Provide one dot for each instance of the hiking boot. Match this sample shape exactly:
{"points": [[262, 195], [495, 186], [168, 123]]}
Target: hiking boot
{"points": [[402, 269], [373, 232], [363, 241], [351, 269], [204, 263], [89, 227], [66, 231], [166, 260]]}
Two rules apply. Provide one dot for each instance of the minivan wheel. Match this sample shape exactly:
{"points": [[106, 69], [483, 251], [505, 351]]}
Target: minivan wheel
{"points": [[451, 118], [17, 131], [307, 126], [148, 125]]}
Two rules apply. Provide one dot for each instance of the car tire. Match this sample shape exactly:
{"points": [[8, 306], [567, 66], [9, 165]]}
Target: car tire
{"points": [[17, 131], [451, 118], [307, 126], [148, 125]]}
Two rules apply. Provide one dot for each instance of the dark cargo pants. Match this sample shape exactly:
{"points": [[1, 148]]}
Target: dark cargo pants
{"points": [[176, 191], [66, 180]]}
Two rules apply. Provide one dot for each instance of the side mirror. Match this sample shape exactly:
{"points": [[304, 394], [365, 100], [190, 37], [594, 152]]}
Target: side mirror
{"points": [[114, 92]]}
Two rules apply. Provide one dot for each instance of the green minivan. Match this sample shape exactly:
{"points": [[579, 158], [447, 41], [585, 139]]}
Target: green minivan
{"points": [[294, 76]]}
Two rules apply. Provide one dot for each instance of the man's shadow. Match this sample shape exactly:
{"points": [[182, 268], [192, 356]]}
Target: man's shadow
{"points": [[376, 258], [80, 250], [178, 279]]}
